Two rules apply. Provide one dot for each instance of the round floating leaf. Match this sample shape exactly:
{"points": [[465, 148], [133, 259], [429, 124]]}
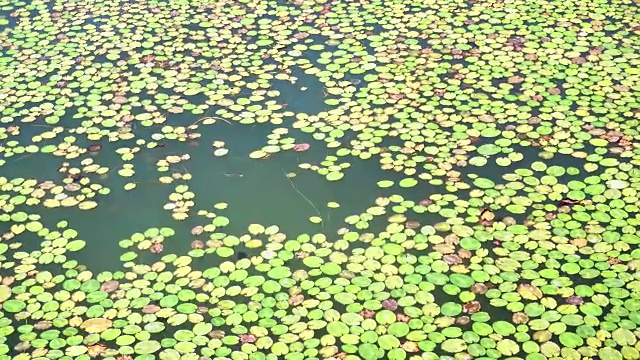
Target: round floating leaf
{"points": [[388, 342], [330, 269], [399, 329], [169, 301], [96, 325], [451, 309], [454, 345], [5, 293], [370, 352], [75, 245], [334, 176], [147, 347], [13, 306], [337, 328], [488, 149], [503, 328], [591, 309], [484, 183], [570, 340], [34, 226], [279, 272], [408, 182], [508, 347], [393, 249]]}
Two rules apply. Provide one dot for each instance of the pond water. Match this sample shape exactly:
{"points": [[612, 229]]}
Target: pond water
{"points": [[314, 179]]}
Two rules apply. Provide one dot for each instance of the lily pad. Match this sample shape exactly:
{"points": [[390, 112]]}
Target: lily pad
{"points": [[147, 347]]}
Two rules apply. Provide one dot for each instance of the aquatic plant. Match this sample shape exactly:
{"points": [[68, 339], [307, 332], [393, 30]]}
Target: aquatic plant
{"points": [[503, 222]]}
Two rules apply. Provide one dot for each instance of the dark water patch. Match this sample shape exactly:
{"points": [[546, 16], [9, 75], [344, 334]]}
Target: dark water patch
{"points": [[309, 98], [32, 166], [115, 218], [530, 155], [265, 185]]}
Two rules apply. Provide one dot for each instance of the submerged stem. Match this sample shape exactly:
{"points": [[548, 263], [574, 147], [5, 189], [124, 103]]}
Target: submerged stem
{"points": [[301, 194]]}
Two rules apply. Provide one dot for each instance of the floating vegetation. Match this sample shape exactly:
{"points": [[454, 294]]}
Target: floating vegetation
{"points": [[497, 143]]}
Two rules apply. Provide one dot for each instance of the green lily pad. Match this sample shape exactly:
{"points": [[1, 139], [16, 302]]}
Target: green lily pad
{"points": [[279, 272], [370, 352], [388, 342], [147, 347], [453, 345], [385, 183], [489, 149], [13, 306], [408, 182], [451, 309], [334, 176], [399, 329]]}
